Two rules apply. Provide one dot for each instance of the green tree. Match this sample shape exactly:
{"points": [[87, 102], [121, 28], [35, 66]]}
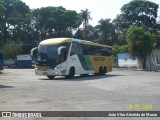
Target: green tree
{"points": [[2, 8], [140, 43], [11, 50], [107, 33], [85, 15], [14, 15], [92, 33], [118, 49], [138, 12], [55, 21]]}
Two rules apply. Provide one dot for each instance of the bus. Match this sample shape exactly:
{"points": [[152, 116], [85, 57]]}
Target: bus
{"points": [[1, 61], [69, 57]]}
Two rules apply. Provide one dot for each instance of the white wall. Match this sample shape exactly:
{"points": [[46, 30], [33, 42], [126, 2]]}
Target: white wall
{"points": [[153, 60], [126, 60]]}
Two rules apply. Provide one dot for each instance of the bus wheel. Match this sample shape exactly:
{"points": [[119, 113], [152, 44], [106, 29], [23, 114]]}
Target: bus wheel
{"points": [[101, 71], [50, 77], [71, 73], [105, 70]]}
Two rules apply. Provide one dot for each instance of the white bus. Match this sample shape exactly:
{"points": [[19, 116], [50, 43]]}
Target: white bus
{"points": [[69, 56]]}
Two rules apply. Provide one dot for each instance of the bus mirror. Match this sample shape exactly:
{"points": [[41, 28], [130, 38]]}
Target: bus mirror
{"points": [[33, 53], [60, 49]]}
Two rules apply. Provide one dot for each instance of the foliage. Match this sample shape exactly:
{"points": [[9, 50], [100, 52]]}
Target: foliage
{"points": [[11, 50], [118, 49], [21, 25], [92, 33], [157, 41], [55, 21], [138, 12], [14, 15], [85, 16], [26, 49], [107, 32], [140, 42]]}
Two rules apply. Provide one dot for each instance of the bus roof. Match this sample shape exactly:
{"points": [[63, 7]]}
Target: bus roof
{"points": [[90, 43], [53, 41]]}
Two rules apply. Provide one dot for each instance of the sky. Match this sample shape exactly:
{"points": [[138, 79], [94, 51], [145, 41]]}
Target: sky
{"points": [[100, 9]]}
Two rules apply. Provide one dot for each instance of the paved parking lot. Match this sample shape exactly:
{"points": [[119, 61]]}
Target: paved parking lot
{"points": [[22, 90]]}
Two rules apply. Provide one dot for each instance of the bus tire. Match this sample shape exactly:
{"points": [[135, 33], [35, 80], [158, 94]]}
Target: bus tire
{"points": [[100, 72], [50, 77], [71, 73], [104, 70]]}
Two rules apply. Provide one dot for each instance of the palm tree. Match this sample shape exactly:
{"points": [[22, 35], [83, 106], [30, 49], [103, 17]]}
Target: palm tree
{"points": [[85, 14]]}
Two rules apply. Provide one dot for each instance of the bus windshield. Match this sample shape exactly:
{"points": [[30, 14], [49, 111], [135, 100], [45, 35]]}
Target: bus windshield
{"points": [[48, 54]]}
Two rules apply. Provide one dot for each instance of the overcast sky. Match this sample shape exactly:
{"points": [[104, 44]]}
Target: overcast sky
{"points": [[98, 8]]}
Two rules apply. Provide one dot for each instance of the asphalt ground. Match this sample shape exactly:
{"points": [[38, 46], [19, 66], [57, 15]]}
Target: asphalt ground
{"points": [[119, 90]]}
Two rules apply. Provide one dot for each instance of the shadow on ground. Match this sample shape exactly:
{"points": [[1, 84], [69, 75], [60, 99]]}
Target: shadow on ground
{"points": [[5, 86], [82, 78]]}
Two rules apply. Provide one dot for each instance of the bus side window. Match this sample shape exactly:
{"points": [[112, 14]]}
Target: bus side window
{"points": [[97, 51], [84, 49], [79, 49], [104, 52], [73, 49], [91, 50], [76, 49], [63, 55], [108, 52]]}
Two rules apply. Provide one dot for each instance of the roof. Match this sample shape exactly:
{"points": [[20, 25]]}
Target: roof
{"points": [[90, 43], [55, 41]]}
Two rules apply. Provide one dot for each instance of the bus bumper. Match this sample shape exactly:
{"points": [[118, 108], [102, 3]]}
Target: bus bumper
{"points": [[50, 72], [46, 72]]}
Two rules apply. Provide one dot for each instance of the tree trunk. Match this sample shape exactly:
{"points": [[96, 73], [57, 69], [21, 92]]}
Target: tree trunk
{"points": [[139, 62], [144, 63]]}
